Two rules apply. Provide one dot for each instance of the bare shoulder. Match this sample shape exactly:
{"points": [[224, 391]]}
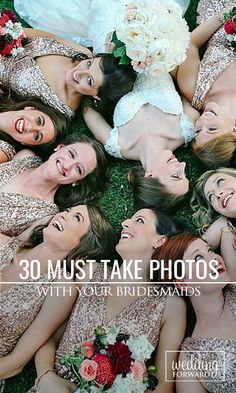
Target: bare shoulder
{"points": [[175, 307]]}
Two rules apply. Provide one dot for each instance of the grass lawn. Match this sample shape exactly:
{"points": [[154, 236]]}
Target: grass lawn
{"points": [[117, 200]]}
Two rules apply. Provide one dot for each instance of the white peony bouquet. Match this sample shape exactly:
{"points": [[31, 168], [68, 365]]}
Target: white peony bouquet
{"points": [[151, 35]]}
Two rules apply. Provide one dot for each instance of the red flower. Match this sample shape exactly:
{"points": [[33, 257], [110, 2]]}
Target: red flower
{"points": [[7, 50], [88, 349], [121, 358], [10, 15], [3, 20], [105, 375], [230, 26]]}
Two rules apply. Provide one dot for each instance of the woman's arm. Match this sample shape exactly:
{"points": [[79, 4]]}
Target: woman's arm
{"points": [[30, 33], [97, 125], [25, 235], [188, 71], [170, 339], [54, 312], [3, 238], [220, 235], [182, 386]]}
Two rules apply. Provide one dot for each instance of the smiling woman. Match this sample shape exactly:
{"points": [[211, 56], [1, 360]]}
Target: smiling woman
{"points": [[32, 190], [28, 123]]}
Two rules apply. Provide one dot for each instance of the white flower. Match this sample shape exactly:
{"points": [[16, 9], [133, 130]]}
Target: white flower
{"points": [[112, 333], [127, 385], [17, 50], [156, 32], [140, 347]]}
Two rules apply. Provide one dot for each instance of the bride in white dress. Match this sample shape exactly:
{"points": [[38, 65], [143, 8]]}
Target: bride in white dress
{"points": [[153, 112]]}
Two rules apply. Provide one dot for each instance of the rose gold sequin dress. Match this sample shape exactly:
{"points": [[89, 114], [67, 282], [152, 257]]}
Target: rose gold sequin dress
{"points": [[217, 56], [225, 381], [8, 149], [143, 316], [17, 211], [23, 74], [19, 304]]}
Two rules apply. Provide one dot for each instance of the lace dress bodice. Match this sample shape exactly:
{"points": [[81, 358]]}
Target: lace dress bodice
{"points": [[158, 92], [23, 74], [18, 211], [221, 350]]}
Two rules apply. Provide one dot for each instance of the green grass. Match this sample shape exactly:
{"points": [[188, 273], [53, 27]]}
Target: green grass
{"points": [[117, 200]]}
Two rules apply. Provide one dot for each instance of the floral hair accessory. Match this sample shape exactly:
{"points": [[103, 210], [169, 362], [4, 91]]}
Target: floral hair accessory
{"points": [[12, 38], [152, 36], [112, 362], [229, 20]]}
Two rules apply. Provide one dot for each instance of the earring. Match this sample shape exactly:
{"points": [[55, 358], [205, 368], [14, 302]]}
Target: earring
{"points": [[55, 149], [95, 102], [73, 184]]}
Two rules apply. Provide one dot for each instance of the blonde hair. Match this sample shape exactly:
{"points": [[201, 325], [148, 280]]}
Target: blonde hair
{"points": [[204, 214], [216, 152]]}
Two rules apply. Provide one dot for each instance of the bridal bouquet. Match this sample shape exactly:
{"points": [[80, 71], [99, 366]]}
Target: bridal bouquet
{"points": [[152, 35], [229, 20], [112, 363], [12, 38]]}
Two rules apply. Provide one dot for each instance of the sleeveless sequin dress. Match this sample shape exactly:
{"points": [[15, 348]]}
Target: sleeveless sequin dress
{"points": [[23, 74], [17, 211], [19, 304], [225, 381], [217, 56], [143, 316]]}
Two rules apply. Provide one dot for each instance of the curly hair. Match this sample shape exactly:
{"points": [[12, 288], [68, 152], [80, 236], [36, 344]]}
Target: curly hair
{"points": [[204, 214]]}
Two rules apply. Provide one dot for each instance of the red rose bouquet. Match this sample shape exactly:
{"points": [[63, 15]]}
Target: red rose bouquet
{"points": [[229, 20], [12, 38], [112, 363]]}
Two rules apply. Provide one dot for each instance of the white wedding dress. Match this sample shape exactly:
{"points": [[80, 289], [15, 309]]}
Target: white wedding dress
{"points": [[88, 22]]}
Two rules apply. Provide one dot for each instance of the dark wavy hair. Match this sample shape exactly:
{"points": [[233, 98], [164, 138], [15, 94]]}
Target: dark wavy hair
{"points": [[150, 191], [89, 187], [98, 243], [118, 81], [10, 101]]}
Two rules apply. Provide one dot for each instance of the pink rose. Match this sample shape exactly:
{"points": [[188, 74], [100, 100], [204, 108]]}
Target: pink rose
{"points": [[131, 11], [138, 370], [88, 349], [88, 370]]}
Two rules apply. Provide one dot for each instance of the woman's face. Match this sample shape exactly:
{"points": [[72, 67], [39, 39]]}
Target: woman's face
{"points": [[138, 236], [29, 126], [71, 163], [197, 251], [67, 228], [220, 191], [171, 173], [86, 77], [214, 122]]}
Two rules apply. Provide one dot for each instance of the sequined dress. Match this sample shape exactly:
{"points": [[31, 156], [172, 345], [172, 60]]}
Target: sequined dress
{"points": [[141, 317], [23, 74], [217, 56], [221, 350], [18, 211], [6, 148], [19, 304]]}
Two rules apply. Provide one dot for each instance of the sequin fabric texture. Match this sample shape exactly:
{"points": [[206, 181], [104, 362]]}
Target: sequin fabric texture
{"points": [[225, 381], [24, 76], [143, 316], [17, 211], [217, 56], [19, 304], [7, 149]]}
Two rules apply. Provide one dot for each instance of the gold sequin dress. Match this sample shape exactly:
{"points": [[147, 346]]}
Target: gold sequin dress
{"points": [[217, 56], [17, 211], [23, 74], [141, 317], [225, 381], [19, 304]]}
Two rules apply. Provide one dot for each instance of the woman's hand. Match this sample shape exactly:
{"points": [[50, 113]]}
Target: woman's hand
{"points": [[51, 383]]}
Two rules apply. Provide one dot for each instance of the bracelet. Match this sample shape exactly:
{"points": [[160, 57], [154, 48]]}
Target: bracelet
{"points": [[37, 380]]}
